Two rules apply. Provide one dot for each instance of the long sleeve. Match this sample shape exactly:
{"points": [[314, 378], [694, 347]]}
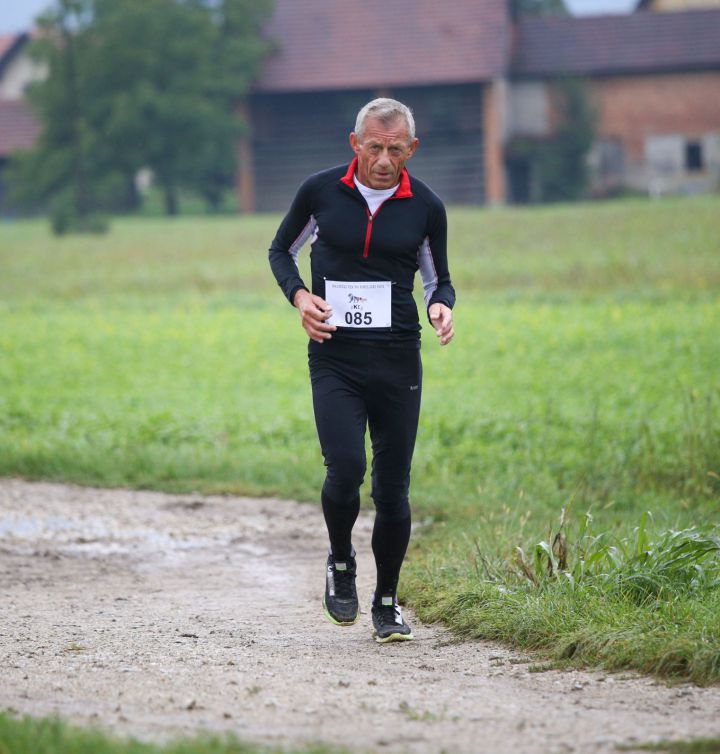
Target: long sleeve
{"points": [[433, 263], [297, 226]]}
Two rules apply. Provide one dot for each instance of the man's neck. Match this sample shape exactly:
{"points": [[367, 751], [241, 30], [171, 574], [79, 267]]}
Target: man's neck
{"points": [[369, 189]]}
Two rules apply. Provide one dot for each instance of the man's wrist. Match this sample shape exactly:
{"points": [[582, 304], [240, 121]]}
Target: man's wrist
{"points": [[296, 294]]}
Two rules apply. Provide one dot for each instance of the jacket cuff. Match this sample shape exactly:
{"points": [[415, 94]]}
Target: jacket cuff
{"points": [[437, 301], [293, 291]]}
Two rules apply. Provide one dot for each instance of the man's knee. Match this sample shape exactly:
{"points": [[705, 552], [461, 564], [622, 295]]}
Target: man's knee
{"points": [[391, 499], [345, 474]]}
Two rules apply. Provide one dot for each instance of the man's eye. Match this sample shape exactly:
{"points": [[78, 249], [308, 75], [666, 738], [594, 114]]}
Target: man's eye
{"points": [[395, 151], [374, 148]]}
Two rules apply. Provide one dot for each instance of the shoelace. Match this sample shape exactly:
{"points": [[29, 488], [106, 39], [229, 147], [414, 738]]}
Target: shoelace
{"points": [[387, 615], [344, 584]]}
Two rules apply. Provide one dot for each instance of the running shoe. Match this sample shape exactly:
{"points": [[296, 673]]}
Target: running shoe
{"points": [[341, 601], [388, 621]]}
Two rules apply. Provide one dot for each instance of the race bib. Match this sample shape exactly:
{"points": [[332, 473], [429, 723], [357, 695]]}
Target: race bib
{"points": [[359, 304]]}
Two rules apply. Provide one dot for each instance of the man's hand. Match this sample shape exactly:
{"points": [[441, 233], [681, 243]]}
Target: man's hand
{"points": [[313, 313], [441, 319]]}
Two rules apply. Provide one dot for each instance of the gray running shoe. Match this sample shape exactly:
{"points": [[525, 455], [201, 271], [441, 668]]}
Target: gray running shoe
{"points": [[388, 621], [340, 602]]}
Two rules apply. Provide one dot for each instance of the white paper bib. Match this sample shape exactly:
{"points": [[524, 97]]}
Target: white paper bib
{"points": [[359, 304]]}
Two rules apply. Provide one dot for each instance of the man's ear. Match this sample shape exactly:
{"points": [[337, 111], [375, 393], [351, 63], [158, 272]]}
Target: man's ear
{"points": [[413, 146], [354, 143]]}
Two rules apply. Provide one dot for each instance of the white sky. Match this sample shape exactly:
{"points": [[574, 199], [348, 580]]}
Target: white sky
{"points": [[18, 15], [588, 7]]}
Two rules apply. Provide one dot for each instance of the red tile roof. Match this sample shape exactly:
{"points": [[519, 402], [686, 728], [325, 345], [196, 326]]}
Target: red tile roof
{"points": [[18, 127], [6, 42], [334, 44], [637, 43]]}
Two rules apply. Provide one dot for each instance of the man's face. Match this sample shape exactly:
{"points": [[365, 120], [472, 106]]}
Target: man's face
{"points": [[382, 151]]}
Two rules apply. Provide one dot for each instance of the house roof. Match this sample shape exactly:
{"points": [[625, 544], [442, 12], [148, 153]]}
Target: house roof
{"points": [[327, 44], [637, 43], [6, 42], [9, 45], [19, 128]]}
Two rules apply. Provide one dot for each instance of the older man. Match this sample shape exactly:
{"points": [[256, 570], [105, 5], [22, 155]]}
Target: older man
{"points": [[371, 227]]}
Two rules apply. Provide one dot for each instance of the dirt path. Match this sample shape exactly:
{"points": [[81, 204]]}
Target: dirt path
{"points": [[158, 614]]}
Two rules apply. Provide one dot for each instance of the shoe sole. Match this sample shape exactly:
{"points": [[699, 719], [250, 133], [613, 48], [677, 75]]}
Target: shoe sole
{"points": [[394, 637], [335, 621]]}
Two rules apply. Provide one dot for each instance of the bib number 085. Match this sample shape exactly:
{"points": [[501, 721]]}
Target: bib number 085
{"points": [[358, 318], [359, 303]]}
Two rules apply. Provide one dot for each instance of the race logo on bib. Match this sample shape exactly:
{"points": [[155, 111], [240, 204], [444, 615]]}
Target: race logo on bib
{"points": [[357, 315]]}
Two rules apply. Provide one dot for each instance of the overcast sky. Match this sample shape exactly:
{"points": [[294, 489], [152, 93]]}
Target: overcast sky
{"points": [[17, 15]]}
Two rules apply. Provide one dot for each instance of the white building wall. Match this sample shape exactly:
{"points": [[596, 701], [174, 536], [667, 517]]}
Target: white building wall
{"points": [[20, 71]]}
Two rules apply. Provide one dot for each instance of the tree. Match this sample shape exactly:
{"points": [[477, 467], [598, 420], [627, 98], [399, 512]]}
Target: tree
{"points": [[554, 168], [61, 169], [168, 100], [239, 53], [538, 7], [562, 162], [145, 84]]}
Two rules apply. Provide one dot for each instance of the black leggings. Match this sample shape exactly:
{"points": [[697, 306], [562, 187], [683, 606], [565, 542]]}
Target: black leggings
{"points": [[355, 385]]}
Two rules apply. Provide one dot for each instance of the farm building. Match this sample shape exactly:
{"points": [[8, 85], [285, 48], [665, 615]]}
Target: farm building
{"points": [[479, 81], [654, 79], [447, 61], [483, 81]]}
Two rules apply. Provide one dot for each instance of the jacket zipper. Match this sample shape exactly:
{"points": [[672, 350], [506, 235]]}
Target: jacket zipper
{"points": [[368, 230], [368, 233]]}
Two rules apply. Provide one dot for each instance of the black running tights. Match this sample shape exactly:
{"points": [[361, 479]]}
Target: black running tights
{"points": [[354, 386]]}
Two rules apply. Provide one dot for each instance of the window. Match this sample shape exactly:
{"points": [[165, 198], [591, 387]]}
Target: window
{"points": [[693, 156]]}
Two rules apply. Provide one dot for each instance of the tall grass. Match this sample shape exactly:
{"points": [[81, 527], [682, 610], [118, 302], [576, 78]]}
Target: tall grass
{"points": [[644, 600]]}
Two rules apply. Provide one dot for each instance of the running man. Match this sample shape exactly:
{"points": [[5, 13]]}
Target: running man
{"points": [[371, 227]]}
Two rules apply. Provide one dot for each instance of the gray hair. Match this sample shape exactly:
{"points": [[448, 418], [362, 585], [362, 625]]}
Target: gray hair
{"points": [[388, 111]]}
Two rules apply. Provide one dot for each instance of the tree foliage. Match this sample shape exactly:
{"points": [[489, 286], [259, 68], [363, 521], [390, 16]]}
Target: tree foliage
{"points": [[557, 164], [151, 84], [538, 7], [562, 162]]}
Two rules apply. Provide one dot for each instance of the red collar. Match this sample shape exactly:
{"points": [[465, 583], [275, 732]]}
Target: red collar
{"points": [[403, 191]]}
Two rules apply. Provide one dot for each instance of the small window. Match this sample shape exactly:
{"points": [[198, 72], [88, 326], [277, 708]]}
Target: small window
{"points": [[693, 155]]}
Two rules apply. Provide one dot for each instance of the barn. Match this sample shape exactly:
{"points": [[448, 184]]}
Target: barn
{"points": [[445, 60]]}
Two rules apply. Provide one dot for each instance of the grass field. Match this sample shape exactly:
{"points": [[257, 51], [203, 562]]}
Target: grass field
{"points": [[584, 377], [51, 736]]}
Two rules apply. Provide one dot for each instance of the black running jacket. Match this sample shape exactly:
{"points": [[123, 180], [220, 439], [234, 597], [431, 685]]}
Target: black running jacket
{"points": [[407, 233]]}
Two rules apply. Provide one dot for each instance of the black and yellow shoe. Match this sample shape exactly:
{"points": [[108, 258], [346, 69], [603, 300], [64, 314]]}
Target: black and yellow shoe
{"points": [[388, 621], [340, 602]]}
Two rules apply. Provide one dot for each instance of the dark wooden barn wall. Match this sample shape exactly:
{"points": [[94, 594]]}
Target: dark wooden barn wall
{"points": [[295, 135]]}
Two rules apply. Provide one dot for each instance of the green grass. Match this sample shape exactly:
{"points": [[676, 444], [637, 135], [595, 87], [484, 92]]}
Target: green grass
{"points": [[692, 746], [583, 377], [51, 736]]}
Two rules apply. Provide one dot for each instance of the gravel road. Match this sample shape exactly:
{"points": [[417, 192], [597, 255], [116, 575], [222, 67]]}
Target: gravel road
{"points": [[156, 615]]}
